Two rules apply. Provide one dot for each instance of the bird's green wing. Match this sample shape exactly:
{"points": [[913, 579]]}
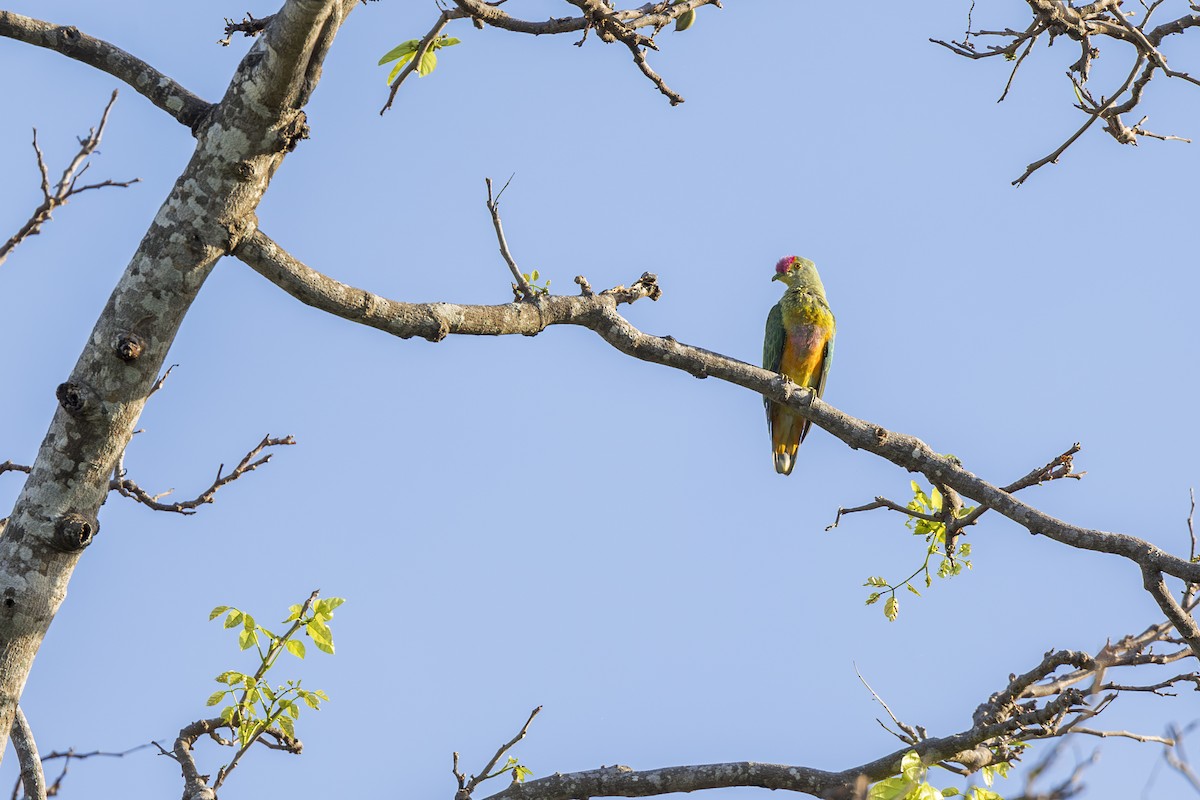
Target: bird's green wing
{"points": [[826, 360], [773, 343], [773, 340]]}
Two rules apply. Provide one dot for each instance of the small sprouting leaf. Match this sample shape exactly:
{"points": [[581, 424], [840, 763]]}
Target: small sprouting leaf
{"points": [[891, 609], [911, 766], [216, 612], [295, 647], [402, 49], [913, 589], [399, 66], [326, 605], [875, 580], [215, 698], [521, 772], [979, 793], [873, 597], [889, 789], [428, 63], [951, 791]]}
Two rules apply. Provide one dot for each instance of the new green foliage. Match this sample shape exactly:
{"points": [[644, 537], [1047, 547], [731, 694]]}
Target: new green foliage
{"points": [[407, 51], [254, 707], [926, 509], [912, 783]]}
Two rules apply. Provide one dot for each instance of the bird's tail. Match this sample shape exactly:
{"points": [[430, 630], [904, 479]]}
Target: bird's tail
{"points": [[784, 462]]}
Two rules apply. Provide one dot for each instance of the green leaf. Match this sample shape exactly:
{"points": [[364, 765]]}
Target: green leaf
{"points": [[521, 772], [875, 581], [428, 63], [227, 714], [248, 622], [979, 793], [950, 791], [913, 589], [873, 598], [292, 709], [890, 789], [311, 700], [404, 48], [216, 612], [215, 698], [293, 613], [326, 605], [321, 694], [286, 725], [295, 647], [926, 792], [911, 766], [233, 619], [230, 677], [447, 41], [891, 609], [247, 639], [399, 66]]}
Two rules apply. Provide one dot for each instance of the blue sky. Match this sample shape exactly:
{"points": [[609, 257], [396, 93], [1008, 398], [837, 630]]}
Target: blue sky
{"points": [[524, 521]]}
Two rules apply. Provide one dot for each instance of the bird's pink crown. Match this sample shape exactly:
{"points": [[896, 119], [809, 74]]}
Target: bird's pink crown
{"points": [[784, 263]]}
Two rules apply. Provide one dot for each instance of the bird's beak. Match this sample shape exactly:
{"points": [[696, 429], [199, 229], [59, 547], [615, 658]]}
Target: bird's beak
{"points": [[777, 277]]}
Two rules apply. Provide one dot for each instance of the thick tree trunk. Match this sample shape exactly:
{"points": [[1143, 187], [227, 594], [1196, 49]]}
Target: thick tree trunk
{"points": [[241, 141]]}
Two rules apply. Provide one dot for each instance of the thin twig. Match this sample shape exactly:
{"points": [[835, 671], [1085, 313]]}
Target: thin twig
{"points": [[66, 187], [426, 42], [250, 462], [493, 204]]}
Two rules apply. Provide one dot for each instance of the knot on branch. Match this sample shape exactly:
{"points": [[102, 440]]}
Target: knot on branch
{"points": [[75, 399], [129, 346], [73, 532], [645, 286]]}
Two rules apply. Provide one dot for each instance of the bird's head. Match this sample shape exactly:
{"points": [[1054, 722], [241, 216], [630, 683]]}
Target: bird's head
{"points": [[796, 271]]}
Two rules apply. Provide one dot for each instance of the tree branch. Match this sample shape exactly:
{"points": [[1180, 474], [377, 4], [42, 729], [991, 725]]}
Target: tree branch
{"points": [[159, 89], [435, 321], [32, 777], [250, 462], [66, 187]]}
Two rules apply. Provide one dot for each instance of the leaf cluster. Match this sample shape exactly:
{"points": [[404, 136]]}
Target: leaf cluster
{"points": [[912, 783], [923, 507], [407, 51], [254, 706]]}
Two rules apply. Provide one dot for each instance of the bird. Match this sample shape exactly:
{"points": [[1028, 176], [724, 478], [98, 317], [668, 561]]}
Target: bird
{"points": [[798, 344]]}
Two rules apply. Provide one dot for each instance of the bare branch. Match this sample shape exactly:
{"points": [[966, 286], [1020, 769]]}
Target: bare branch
{"points": [[467, 785], [250, 462], [521, 288], [32, 777], [159, 89], [434, 321], [248, 27], [66, 187]]}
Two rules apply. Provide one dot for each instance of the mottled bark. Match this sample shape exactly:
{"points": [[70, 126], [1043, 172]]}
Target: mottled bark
{"points": [[240, 143]]}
